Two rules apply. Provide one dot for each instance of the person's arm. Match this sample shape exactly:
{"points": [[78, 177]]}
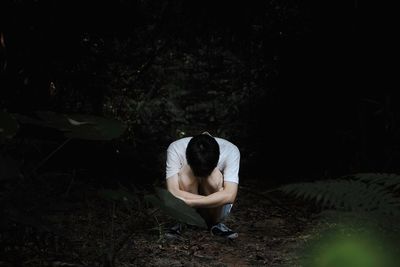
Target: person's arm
{"points": [[225, 196], [230, 188], [222, 197], [173, 188], [173, 166]]}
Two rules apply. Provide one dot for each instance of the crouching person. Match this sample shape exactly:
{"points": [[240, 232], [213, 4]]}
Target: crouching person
{"points": [[203, 171]]}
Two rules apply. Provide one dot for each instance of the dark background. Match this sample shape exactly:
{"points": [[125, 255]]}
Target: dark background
{"points": [[321, 103]]}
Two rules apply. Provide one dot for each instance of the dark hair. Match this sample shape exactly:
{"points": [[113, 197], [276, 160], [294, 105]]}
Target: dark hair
{"points": [[202, 154]]}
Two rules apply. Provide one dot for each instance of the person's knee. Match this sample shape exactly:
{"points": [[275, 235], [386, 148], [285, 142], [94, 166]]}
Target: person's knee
{"points": [[213, 183], [216, 179], [187, 182]]}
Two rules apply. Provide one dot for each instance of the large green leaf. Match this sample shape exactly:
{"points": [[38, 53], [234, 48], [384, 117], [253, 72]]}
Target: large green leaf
{"points": [[23, 119], [93, 127], [8, 126], [78, 126], [175, 208], [54, 120]]}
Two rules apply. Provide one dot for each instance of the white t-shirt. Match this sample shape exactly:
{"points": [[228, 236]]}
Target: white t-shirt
{"points": [[228, 163]]}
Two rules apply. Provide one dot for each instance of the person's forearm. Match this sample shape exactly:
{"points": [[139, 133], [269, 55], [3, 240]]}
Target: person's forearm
{"points": [[186, 195], [216, 199]]}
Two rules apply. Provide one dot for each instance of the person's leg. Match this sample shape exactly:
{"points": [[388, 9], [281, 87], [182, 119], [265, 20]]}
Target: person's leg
{"points": [[187, 181], [207, 186], [214, 216]]}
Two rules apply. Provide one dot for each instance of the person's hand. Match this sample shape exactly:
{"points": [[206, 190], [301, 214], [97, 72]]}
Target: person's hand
{"points": [[189, 202]]}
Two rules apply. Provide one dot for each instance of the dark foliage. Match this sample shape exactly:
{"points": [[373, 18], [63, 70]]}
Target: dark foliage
{"points": [[298, 86], [269, 75]]}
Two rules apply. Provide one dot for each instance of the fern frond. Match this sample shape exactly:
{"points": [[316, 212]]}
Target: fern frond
{"points": [[385, 179], [349, 195]]}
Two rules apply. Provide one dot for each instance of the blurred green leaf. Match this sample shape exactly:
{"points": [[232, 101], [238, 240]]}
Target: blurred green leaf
{"points": [[93, 127], [78, 126], [54, 120], [28, 120]]}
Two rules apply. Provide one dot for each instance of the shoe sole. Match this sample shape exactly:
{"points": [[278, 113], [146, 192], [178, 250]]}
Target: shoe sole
{"points": [[231, 236]]}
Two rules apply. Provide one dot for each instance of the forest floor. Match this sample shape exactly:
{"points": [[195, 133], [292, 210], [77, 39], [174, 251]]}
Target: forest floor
{"points": [[269, 235], [75, 226]]}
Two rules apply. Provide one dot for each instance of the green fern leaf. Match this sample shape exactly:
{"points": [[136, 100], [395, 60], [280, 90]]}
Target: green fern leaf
{"points": [[366, 193]]}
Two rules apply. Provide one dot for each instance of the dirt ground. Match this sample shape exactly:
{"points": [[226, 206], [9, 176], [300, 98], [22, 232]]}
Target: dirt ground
{"points": [[268, 236], [91, 231], [270, 232]]}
